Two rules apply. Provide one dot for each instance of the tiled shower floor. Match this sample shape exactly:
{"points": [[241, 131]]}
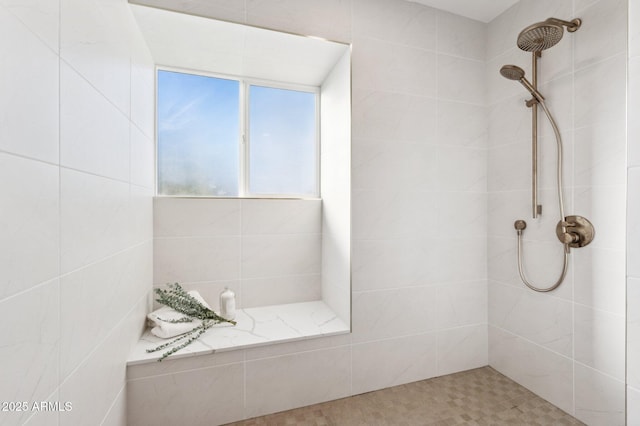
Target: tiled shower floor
{"points": [[476, 397]]}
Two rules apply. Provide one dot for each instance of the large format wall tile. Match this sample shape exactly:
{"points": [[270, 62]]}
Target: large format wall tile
{"points": [[275, 255], [392, 313], [600, 340], [546, 373], [456, 80], [600, 399], [94, 134], [599, 278], [41, 17], [460, 36], [380, 65], [192, 217], [539, 318], [95, 39], [461, 304], [393, 362], [633, 226], [471, 131], [393, 263], [69, 227], [30, 224], [275, 384], [196, 259], [90, 301], [391, 117], [633, 333], [30, 329], [270, 217], [598, 39], [633, 406], [29, 86], [196, 397], [330, 19], [94, 217], [462, 348], [389, 165], [600, 92], [142, 156], [404, 23], [96, 383], [225, 10]]}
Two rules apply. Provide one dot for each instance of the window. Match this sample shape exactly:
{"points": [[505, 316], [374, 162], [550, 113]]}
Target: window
{"points": [[231, 137]]}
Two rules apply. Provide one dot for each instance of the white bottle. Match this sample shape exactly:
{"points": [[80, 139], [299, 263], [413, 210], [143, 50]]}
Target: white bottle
{"points": [[228, 304]]}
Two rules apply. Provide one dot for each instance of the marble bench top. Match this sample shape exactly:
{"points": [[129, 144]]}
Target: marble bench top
{"points": [[255, 327]]}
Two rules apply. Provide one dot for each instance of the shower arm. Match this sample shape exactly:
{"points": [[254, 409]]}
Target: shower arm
{"points": [[572, 26]]}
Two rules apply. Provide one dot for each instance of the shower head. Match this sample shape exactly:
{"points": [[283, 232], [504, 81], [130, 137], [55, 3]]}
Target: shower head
{"points": [[543, 35], [514, 72]]}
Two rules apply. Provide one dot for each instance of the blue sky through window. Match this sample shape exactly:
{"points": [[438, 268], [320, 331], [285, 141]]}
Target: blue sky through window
{"points": [[199, 138], [282, 129], [198, 132]]}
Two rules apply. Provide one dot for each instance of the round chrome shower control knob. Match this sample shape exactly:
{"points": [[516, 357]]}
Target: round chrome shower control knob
{"points": [[520, 225]]}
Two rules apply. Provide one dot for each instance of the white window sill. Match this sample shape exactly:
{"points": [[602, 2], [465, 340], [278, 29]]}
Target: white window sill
{"points": [[255, 327]]}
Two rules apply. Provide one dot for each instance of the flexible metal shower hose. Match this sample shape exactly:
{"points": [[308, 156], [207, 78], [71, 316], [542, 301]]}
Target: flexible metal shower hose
{"points": [[565, 264]]}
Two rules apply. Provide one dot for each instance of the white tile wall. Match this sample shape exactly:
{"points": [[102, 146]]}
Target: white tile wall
{"points": [[29, 84], [330, 19], [76, 234], [579, 328], [462, 349], [31, 329], [398, 360], [31, 226], [267, 251], [542, 371], [407, 89], [403, 23], [419, 217], [600, 399], [191, 397], [94, 133], [633, 209], [276, 384]]}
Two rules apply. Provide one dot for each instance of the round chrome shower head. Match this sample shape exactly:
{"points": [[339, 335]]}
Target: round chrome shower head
{"points": [[540, 36], [512, 72]]}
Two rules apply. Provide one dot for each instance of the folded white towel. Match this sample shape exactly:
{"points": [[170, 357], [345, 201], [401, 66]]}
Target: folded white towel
{"points": [[167, 330]]}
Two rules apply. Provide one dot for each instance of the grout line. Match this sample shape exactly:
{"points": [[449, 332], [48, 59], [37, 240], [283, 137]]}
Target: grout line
{"points": [[34, 34], [87, 81], [98, 345], [106, 258], [113, 403], [60, 233], [37, 160], [504, 330]]}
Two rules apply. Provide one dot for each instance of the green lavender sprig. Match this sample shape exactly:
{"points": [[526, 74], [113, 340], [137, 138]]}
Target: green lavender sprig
{"points": [[179, 300]]}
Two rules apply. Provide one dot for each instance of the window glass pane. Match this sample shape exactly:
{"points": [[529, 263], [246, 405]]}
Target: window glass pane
{"points": [[198, 131], [282, 150]]}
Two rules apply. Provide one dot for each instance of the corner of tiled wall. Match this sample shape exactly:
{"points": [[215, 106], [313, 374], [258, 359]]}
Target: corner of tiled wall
{"points": [[573, 338], [77, 150]]}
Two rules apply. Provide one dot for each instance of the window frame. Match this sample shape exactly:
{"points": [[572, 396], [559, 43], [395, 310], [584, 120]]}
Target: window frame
{"points": [[244, 139]]}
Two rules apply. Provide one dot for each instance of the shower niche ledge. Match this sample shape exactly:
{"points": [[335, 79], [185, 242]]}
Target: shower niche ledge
{"points": [[255, 327]]}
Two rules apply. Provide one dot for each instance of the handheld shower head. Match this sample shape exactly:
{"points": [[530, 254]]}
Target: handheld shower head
{"points": [[514, 72]]}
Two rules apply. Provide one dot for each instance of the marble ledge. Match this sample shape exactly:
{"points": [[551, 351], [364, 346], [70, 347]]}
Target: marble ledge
{"points": [[255, 327]]}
